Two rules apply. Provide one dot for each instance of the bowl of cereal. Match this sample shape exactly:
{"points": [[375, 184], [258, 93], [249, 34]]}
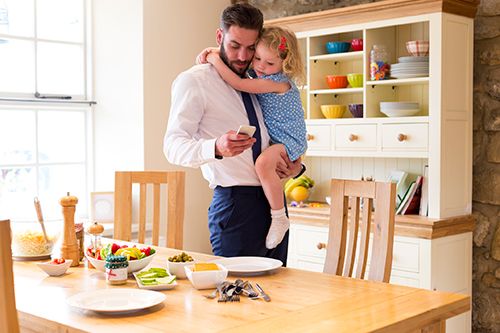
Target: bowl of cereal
{"points": [[29, 241]]}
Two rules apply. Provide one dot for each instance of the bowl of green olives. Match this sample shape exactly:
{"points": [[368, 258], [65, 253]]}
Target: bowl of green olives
{"points": [[175, 264]]}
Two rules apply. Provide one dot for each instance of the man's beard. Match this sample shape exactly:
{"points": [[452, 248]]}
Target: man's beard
{"points": [[229, 64]]}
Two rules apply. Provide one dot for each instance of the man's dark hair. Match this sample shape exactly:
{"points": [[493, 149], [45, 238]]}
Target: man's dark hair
{"points": [[242, 15]]}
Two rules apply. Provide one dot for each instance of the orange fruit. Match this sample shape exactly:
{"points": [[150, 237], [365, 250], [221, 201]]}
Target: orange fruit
{"points": [[299, 193]]}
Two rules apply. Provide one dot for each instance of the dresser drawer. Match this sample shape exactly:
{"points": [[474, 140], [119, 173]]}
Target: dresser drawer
{"points": [[405, 255], [307, 238], [405, 137], [318, 137], [358, 137]]}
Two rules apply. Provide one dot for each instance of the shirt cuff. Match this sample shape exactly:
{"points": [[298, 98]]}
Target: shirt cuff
{"points": [[208, 150]]}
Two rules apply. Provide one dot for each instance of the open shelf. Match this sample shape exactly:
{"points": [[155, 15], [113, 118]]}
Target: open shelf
{"points": [[337, 91], [399, 82], [339, 56]]}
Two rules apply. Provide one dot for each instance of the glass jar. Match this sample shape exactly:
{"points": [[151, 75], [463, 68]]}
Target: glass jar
{"points": [[379, 66], [116, 269]]}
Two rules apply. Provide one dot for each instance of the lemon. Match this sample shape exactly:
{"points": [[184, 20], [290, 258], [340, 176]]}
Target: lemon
{"points": [[299, 193]]}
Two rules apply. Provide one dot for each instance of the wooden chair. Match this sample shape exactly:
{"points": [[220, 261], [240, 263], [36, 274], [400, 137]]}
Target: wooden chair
{"points": [[8, 313], [175, 205], [340, 259]]}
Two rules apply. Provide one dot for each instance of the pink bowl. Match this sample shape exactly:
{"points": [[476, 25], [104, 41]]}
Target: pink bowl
{"points": [[418, 48], [336, 81], [357, 44]]}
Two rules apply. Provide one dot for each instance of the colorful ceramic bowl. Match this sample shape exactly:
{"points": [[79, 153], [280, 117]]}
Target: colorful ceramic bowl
{"points": [[356, 110], [418, 48], [337, 47], [355, 80], [333, 111], [336, 81], [357, 44]]}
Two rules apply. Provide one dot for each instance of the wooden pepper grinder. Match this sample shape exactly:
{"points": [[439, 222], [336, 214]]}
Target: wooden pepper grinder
{"points": [[69, 247]]}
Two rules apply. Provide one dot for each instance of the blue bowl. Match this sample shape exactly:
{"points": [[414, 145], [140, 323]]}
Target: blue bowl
{"points": [[337, 47]]}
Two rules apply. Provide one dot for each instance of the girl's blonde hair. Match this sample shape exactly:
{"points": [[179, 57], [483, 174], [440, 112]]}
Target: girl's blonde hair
{"points": [[285, 42]]}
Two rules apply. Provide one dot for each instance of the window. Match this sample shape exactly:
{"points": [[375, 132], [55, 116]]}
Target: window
{"points": [[44, 110]]}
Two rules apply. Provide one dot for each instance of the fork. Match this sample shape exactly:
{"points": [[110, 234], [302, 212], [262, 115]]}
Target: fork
{"points": [[212, 295]]}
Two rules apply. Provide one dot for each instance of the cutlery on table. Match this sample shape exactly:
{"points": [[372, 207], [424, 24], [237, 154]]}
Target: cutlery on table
{"points": [[263, 293]]}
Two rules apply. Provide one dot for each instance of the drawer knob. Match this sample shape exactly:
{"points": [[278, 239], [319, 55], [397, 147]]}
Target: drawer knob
{"points": [[321, 246], [310, 137], [402, 137], [353, 137]]}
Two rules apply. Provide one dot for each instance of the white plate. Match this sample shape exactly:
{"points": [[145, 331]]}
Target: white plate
{"points": [[400, 113], [27, 258], [163, 286], [413, 59], [408, 76], [116, 300], [249, 265]]}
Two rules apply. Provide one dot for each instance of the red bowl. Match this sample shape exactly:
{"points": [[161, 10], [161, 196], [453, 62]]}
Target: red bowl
{"points": [[336, 81], [357, 44]]}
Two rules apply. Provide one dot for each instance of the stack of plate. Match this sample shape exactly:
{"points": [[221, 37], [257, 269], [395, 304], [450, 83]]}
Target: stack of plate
{"points": [[409, 67], [399, 109]]}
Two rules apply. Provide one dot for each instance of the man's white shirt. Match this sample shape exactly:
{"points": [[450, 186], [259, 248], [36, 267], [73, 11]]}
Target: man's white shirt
{"points": [[203, 108]]}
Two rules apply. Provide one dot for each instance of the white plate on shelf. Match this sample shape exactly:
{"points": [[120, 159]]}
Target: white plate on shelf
{"points": [[163, 286], [119, 300], [408, 76], [413, 59], [249, 265], [400, 113]]}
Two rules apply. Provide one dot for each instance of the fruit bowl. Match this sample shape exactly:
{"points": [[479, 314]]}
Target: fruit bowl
{"points": [[333, 111], [55, 269], [133, 265]]}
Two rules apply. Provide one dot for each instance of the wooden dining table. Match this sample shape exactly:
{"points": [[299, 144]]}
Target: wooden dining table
{"points": [[301, 301]]}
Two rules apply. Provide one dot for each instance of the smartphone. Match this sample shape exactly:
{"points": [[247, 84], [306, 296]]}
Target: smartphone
{"points": [[246, 129]]}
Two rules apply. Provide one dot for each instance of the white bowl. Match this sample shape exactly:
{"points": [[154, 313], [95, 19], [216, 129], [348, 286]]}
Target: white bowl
{"points": [[133, 265], [55, 269], [400, 113], [177, 268], [328, 200], [399, 105], [206, 279]]}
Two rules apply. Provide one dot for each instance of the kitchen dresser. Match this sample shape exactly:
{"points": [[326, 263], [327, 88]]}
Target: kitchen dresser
{"points": [[434, 251]]}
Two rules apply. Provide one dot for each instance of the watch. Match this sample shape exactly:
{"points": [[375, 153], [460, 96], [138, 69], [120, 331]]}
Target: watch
{"points": [[301, 172]]}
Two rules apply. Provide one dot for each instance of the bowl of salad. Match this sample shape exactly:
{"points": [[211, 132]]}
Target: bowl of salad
{"points": [[138, 258]]}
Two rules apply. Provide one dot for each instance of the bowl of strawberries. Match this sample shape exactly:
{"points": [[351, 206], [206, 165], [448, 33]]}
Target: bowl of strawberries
{"points": [[138, 258]]}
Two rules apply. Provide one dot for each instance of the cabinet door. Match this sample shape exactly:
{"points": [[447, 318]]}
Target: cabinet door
{"points": [[318, 137], [405, 137], [356, 137]]}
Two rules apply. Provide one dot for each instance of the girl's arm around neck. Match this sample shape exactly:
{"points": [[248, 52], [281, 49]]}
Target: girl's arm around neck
{"points": [[254, 86]]}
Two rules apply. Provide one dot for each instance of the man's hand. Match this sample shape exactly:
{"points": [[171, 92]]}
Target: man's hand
{"points": [[232, 144], [286, 168], [202, 57]]}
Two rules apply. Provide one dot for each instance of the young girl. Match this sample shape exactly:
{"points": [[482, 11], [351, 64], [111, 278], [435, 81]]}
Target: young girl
{"points": [[277, 64]]}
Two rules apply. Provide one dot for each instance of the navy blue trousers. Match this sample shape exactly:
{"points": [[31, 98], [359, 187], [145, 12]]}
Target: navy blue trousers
{"points": [[239, 218]]}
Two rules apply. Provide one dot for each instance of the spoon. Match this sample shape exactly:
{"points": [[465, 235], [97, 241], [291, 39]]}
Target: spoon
{"points": [[38, 209]]}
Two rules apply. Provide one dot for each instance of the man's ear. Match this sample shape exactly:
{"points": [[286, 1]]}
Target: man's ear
{"points": [[219, 36]]}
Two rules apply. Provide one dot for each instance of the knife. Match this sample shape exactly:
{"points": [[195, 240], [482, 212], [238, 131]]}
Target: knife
{"points": [[263, 293]]}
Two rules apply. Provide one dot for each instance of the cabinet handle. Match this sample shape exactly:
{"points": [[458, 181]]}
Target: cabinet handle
{"points": [[310, 137], [353, 137], [321, 246], [402, 137]]}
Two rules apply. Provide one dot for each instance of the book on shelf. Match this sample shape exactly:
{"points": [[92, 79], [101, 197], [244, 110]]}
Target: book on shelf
{"points": [[398, 177], [405, 198], [424, 200], [411, 204]]}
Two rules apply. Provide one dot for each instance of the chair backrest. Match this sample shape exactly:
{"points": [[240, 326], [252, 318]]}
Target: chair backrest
{"points": [[8, 313], [175, 205], [341, 252]]}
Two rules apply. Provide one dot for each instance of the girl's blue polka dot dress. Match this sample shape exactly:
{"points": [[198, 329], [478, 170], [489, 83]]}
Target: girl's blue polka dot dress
{"points": [[284, 117]]}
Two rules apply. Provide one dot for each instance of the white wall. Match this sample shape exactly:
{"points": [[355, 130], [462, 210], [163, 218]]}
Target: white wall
{"points": [[118, 81], [140, 47]]}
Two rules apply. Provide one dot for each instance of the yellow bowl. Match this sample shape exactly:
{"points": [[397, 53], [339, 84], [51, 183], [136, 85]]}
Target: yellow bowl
{"points": [[333, 111], [355, 80]]}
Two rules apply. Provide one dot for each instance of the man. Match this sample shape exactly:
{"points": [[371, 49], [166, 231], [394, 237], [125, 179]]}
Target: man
{"points": [[205, 113]]}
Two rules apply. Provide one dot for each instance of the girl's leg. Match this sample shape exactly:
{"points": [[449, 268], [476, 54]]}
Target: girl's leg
{"points": [[273, 188]]}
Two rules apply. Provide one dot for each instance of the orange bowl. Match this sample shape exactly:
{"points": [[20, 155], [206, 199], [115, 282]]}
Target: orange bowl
{"points": [[336, 81]]}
